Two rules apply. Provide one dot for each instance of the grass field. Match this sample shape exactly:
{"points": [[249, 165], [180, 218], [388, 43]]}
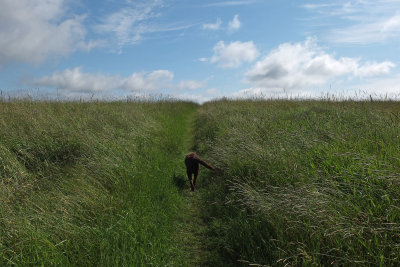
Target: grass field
{"points": [[91, 183], [302, 182], [297, 183]]}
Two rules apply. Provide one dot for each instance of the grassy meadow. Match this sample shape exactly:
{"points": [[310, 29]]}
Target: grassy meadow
{"points": [[302, 183], [90, 184], [298, 183]]}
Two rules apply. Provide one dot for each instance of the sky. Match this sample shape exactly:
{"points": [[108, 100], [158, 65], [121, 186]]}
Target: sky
{"points": [[199, 50]]}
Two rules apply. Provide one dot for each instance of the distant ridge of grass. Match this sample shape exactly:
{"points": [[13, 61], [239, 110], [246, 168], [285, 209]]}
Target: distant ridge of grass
{"points": [[301, 182], [90, 184]]}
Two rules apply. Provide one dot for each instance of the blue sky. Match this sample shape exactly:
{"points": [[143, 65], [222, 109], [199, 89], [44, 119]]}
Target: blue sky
{"points": [[199, 50]]}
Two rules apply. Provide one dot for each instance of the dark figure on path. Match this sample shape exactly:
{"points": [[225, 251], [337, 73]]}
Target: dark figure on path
{"points": [[192, 162]]}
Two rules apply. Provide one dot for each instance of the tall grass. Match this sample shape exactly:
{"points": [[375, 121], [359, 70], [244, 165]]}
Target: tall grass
{"points": [[301, 182], [91, 183], [297, 183]]}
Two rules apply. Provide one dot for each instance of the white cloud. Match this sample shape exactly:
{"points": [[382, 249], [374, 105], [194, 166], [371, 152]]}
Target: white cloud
{"points": [[190, 85], [301, 65], [373, 69], [77, 81], [368, 32], [135, 21], [129, 23], [234, 24], [318, 6], [152, 81], [366, 21], [213, 26], [33, 30], [234, 54], [381, 87], [208, 95], [230, 3]]}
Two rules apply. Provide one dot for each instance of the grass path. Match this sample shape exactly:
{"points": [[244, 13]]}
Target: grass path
{"points": [[193, 231], [193, 227]]}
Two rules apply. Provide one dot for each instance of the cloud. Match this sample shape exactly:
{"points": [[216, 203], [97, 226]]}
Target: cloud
{"points": [[368, 32], [128, 24], [77, 81], [318, 6], [152, 81], [381, 87], [32, 31], [234, 24], [132, 23], [190, 85], [230, 3], [207, 95], [234, 54], [366, 21], [213, 26], [301, 65]]}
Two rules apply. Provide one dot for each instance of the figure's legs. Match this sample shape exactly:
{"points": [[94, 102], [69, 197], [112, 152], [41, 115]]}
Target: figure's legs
{"points": [[195, 177], [189, 175]]}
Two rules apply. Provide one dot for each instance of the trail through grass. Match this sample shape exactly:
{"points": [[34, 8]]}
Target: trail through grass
{"points": [[91, 184], [301, 183], [193, 227]]}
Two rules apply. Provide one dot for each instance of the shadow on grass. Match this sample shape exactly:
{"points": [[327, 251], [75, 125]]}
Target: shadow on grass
{"points": [[179, 181]]}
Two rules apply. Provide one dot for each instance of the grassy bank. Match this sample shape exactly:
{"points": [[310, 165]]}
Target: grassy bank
{"points": [[91, 183], [301, 183]]}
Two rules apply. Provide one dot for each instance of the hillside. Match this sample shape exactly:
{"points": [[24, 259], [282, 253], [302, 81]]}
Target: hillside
{"points": [[297, 183]]}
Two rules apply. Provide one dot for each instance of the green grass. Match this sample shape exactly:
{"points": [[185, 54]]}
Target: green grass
{"points": [[91, 183], [301, 182]]}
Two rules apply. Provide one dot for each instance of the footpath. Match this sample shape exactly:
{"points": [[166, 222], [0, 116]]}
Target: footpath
{"points": [[193, 229]]}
